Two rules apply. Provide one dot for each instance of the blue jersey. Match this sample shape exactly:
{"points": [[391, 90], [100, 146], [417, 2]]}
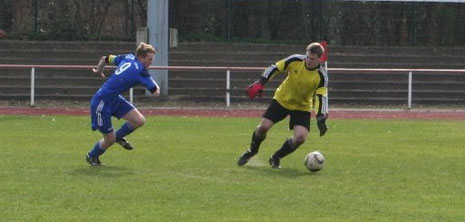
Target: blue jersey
{"points": [[129, 72]]}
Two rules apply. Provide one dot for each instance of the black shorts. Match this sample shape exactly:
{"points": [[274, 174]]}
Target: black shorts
{"points": [[275, 112]]}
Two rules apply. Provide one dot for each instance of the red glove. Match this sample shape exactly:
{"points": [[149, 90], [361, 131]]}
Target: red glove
{"points": [[254, 89]]}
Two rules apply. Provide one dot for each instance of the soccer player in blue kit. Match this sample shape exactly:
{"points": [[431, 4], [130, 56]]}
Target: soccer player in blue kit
{"points": [[107, 101]]}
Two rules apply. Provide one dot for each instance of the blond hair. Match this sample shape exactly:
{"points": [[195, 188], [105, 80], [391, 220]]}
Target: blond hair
{"points": [[316, 48], [143, 49]]}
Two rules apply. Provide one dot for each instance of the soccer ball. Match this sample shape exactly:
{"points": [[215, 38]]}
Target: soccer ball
{"points": [[314, 161]]}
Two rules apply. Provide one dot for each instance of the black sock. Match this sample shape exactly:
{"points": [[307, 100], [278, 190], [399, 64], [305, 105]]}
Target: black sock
{"points": [[255, 143], [287, 148]]}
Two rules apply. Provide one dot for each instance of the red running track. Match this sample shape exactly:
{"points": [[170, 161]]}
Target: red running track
{"points": [[334, 114]]}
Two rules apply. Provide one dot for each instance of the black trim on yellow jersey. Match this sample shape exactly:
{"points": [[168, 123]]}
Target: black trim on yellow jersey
{"points": [[320, 100], [291, 59], [321, 97], [271, 71], [323, 79], [268, 73]]}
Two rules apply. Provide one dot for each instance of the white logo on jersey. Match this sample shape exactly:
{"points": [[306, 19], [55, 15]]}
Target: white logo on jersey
{"points": [[130, 56]]}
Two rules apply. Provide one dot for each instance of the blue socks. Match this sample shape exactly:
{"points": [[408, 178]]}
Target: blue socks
{"points": [[125, 130], [96, 151]]}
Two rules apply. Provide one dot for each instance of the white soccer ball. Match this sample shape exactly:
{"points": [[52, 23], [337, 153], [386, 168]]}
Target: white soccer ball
{"points": [[314, 161]]}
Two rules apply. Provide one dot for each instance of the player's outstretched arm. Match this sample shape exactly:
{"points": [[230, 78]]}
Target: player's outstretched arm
{"points": [[256, 88], [100, 67]]}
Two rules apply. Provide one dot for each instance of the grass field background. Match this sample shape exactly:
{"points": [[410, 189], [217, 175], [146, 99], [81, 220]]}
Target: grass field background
{"points": [[184, 169]]}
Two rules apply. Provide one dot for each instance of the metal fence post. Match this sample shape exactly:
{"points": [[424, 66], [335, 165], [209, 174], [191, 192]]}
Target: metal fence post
{"points": [[410, 90], [228, 87], [33, 73]]}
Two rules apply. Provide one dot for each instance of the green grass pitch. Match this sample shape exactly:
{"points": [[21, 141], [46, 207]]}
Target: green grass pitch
{"points": [[184, 169]]}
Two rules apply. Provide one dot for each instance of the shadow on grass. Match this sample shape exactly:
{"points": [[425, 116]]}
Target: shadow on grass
{"points": [[104, 171], [283, 172]]}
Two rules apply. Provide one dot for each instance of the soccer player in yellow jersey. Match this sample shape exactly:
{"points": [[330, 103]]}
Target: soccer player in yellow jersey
{"points": [[304, 88]]}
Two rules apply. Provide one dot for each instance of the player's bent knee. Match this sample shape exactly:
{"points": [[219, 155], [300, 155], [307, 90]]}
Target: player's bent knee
{"points": [[109, 139], [111, 142], [299, 140], [108, 142], [138, 122], [262, 129]]}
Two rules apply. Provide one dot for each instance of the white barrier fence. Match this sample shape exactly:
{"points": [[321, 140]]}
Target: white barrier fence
{"points": [[228, 71]]}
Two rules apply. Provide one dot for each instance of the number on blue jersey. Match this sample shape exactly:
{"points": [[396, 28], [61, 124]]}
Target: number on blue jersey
{"points": [[122, 68]]}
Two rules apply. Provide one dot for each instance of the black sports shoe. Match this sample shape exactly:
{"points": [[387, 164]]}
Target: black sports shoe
{"points": [[274, 162], [93, 161], [245, 157], [125, 144]]}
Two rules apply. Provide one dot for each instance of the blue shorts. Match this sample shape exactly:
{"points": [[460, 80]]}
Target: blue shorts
{"points": [[101, 112]]}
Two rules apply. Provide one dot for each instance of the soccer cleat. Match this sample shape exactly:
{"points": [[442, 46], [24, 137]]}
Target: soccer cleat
{"points": [[245, 157], [125, 144], [274, 162], [93, 161]]}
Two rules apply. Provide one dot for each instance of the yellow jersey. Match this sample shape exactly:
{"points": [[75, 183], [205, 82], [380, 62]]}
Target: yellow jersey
{"points": [[303, 89]]}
